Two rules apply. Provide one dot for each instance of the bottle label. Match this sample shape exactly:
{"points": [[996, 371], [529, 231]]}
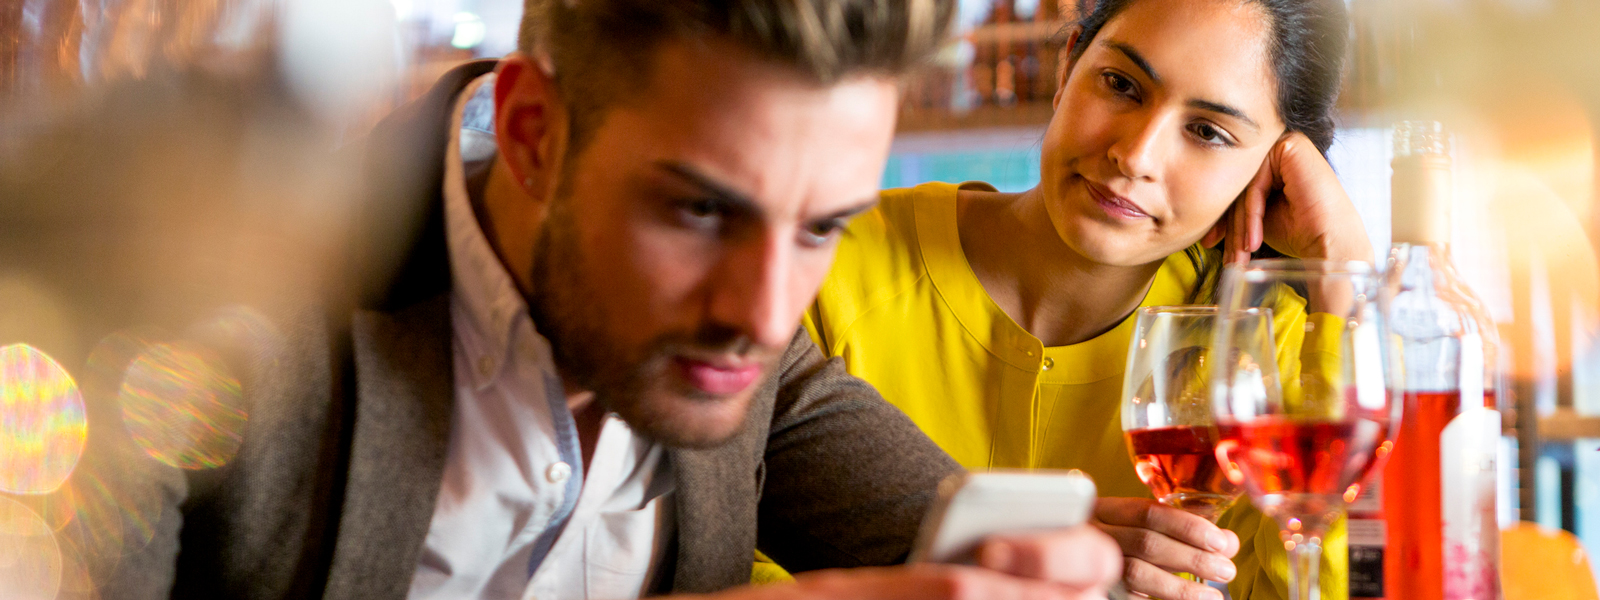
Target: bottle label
{"points": [[1366, 539], [1370, 501], [1468, 449]]}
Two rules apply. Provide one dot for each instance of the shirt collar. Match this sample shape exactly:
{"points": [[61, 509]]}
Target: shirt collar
{"points": [[484, 292]]}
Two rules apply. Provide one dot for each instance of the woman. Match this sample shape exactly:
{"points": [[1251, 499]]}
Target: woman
{"points": [[1000, 322]]}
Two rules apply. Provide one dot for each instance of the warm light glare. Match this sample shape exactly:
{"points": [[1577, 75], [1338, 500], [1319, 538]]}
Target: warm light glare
{"points": [[30, 560], [42, 423], [182, 406]]}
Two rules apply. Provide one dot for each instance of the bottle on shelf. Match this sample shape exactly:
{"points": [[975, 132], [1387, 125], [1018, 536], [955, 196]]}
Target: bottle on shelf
{"points": [[1438, 490]]}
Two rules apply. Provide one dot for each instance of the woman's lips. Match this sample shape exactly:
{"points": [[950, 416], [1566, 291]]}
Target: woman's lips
{"points": [[718, 379], [1113, 204]]}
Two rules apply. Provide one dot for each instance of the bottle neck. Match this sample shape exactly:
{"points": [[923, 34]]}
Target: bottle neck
{"points": [[1420, 195]]}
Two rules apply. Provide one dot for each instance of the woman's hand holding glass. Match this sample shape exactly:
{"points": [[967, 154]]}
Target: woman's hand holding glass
{"points": [[1166, 420]]}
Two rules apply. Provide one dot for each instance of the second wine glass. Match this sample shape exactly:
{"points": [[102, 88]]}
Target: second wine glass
{"points": [[1303, 438]]}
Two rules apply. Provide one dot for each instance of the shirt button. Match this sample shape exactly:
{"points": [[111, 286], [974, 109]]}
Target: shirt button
{"points": [[1030, 353], [485, 366], [558, 472], [1049, 363]]}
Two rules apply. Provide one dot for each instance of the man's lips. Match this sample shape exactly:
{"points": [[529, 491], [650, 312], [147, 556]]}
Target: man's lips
{"points": [[718, 378], [1115, 205]]}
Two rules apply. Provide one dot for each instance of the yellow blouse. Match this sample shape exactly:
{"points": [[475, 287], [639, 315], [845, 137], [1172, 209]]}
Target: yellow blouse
{"points": [[905, 311]]}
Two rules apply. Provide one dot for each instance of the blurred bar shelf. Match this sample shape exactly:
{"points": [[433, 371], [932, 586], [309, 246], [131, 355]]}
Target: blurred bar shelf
{"points": [[1028, 31], [987, 116], [1566, 425]]}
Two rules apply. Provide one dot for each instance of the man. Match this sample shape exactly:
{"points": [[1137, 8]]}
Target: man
{"points": [[580, 373]]}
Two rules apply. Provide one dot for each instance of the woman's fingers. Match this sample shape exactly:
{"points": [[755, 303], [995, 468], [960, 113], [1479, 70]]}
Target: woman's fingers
{"points": [[1144, 513], [1167, 539], [1146, 579], [1252, 209], [1309, 215], [1172, 555]]}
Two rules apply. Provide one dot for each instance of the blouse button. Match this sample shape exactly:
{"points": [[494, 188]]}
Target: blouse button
{"points": [[485, 366], [558, 472], [1049, 363]]}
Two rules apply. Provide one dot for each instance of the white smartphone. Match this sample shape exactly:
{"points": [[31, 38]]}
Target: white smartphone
{"points": [[974, 506]]}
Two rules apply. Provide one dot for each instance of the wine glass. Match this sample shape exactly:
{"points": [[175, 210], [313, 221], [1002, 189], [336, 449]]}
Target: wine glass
{"points": [[1302, 440], [1166, 410]]}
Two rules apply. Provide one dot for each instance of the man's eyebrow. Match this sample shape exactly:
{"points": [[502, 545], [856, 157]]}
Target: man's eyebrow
{"points": [[1135, 57], [1218, 107], [732, 198], [849, 211]]}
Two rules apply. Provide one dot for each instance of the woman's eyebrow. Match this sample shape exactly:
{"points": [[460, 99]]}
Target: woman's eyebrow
{"points": [[1135, 57], [1218, 107]]}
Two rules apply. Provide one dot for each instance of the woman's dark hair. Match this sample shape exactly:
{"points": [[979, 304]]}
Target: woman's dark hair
{"points": [[1307, 50]]}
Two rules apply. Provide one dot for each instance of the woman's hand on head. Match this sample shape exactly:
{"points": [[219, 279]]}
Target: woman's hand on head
{"points": [[1296, 205]]}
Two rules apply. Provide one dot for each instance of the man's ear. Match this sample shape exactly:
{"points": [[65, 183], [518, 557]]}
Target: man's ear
{"points": [[1065, 66], [530, 122]]}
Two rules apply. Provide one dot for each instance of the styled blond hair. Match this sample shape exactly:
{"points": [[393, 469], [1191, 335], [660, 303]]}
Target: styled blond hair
{"points": [[601, 50]]}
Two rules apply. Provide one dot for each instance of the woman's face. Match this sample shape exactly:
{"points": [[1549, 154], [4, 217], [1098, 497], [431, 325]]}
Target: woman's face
{"points": [[1159, 125]]}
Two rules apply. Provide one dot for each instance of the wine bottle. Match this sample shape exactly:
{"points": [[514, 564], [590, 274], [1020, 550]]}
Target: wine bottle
{"points": [[1442, 540]]}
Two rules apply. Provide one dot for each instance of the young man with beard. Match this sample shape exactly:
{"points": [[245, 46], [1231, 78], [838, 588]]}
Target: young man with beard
{"points": [[571, 366]]}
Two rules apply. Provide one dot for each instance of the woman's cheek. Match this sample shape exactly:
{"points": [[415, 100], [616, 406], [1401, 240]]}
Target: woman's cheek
{"points": [[1201, 201]]}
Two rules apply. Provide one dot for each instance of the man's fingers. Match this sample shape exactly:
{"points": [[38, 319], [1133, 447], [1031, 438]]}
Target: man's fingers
{"points": [[1081, 558], [1144, 578], [1184, 527], [1172, 555], [921, 582]]}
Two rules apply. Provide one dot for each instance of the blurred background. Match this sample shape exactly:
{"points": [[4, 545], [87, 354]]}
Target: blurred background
{"points": [[165, 189]]}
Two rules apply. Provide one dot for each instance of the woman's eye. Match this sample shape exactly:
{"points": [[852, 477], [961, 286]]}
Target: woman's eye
{"points": [[1210, 134], [1119, 84]]}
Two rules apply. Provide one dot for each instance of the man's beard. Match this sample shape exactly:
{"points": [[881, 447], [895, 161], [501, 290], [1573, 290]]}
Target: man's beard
{"points": [[566, 308]]}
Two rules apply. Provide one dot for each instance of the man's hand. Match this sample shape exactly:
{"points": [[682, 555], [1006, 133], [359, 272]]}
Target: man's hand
{"points": [[1073, 564], [1159, 540]]}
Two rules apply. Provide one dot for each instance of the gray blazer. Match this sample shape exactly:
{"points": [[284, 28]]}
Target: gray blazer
{"points": [[333, 489]]}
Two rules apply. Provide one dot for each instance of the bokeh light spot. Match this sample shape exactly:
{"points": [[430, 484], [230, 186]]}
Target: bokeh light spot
{"points": [[182, 406], [42, 422], [30, 559]]}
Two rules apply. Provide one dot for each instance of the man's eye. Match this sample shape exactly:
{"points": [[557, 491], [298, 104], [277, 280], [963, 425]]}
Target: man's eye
{"points": [[1119, 84], [699, 213], [820, 234]]}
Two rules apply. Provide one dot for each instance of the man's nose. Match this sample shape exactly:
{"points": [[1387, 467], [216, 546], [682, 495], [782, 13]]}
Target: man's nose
{"points": [[1141, 146], [751, 292]]}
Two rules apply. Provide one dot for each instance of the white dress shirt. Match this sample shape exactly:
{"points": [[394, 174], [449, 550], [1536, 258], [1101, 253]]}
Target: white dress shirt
{"points": [[518, 514]]}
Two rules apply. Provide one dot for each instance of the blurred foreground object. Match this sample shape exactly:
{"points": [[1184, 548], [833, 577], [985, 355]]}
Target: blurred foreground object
{"points": [[171, 182], [1545, 564], [340, 58], [1519, 81]]}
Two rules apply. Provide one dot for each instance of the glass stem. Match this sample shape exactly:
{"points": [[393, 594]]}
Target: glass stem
{"points": [[1304, 565]]}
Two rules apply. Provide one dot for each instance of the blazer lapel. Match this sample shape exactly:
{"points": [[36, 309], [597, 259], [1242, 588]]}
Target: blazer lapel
{"points": [[404, 400], [718, 492], [716, 520]]}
